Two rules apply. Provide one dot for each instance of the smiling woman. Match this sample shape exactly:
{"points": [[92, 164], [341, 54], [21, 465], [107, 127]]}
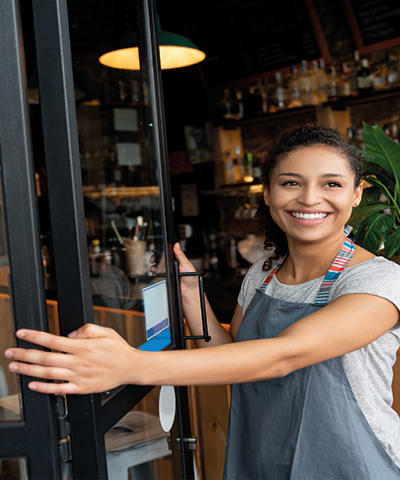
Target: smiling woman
{"points": [[312, 341]]}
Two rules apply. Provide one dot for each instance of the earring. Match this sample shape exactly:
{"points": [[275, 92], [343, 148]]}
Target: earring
{"points": [[267, 202]]}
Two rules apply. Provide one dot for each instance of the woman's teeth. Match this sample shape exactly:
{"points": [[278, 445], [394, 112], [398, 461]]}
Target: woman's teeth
{"points": [[309, 216]]}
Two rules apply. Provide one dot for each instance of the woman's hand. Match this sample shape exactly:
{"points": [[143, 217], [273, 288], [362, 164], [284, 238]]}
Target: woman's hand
{"points": [[96, 359], [188, 284]]}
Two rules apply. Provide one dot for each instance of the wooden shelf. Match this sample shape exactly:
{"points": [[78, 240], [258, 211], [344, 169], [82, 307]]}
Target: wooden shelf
{"points": [[340, 104]]}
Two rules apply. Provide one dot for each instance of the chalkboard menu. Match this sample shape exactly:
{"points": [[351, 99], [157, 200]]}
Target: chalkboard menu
{"points": [[249, 37], [375, 23]]}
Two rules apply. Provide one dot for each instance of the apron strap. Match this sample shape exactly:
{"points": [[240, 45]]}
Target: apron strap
{"points": [[339, 264]]}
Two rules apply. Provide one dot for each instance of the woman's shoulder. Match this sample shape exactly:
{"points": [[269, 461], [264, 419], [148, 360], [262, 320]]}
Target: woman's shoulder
{"points": [[375, 276]]}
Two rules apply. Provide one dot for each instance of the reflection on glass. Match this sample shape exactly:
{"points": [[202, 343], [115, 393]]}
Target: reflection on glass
{"points": [[10, 401], [13, 469], [137, 446], [120, 178]]}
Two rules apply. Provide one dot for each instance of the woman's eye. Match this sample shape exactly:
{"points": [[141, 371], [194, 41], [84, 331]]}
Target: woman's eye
{"points": [[290, 183], [333, 184]]}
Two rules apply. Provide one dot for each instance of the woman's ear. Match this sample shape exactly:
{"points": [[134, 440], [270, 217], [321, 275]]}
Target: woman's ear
{"points": [[358, 195], [266, 196]]}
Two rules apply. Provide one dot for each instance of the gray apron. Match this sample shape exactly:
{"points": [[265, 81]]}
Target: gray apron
{"points": [[304, 426]]}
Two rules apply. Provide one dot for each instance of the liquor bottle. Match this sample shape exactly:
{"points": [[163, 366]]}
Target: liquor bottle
{"points": [[344, 83], [379, 77], [392, 75], [238, 109], [331, 86], [314, 81], [355, 67], [228, 113], [294, 89], [250, 102], [263, 97], [278, 98], [248, 171], [322, 80], [350, 136], [306, 92], [229, 169], [364, 78], [395, 132], [239, 165]]}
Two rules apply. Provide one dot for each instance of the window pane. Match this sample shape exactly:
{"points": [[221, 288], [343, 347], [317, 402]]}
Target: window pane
{"points": [[10, 396], [13, 469], [120, 175]]}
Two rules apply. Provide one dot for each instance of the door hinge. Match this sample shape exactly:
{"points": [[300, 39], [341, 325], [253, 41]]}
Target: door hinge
{"points": [[190, 442], [64, 429]]}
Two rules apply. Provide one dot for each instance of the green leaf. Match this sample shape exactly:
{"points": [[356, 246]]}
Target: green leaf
{"points": [[392, 244], [363, 211], [373, 231], [385, 150], [371, 195], [374, 169], [377, 182]]}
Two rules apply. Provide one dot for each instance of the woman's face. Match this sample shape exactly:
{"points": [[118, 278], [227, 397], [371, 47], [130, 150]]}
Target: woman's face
{"points": [[312, 194]]}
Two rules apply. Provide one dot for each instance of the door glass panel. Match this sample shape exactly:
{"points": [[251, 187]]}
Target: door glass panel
{"points": [[137, 446], [120, 176], [13, 469], [10, 397]]}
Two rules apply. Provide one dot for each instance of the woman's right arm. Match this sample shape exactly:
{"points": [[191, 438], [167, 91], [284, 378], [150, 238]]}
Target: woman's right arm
{"points": [[192, 311]]}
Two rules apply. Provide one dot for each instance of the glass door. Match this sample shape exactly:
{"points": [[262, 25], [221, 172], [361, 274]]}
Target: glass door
{"points": [[99, 152]]}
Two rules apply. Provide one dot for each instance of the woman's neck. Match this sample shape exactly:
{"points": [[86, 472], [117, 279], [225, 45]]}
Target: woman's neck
{"points": [[307, 261]]}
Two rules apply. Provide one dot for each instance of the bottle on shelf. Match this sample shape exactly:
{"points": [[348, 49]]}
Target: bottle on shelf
{"points": [[262, 98], [239, 165], [364, 78], [248, 170], [250, 102], [379, 77], [278, 97], [294, 89], [344, 83], [228, 110], [350, 136], [331, 85], [395, 132], [355, 67], [306, 91], [238, 108], [322, 80], [229, 169], [314, 80], [392, 74]]}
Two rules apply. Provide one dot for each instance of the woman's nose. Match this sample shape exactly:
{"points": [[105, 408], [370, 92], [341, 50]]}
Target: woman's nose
{"points": [[309, 196]]}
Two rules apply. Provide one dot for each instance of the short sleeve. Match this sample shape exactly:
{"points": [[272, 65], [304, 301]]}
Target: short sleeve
{"points": [[379, 277], [252, 280]]}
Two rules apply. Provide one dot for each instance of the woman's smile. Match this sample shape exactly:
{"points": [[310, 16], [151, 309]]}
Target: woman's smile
{"points": [[312, 187]]}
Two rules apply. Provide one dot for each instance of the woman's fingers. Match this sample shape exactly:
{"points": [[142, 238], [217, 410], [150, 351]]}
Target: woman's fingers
{"points": [[90, 330], [55, 388], [40, 371], [184, 263], [39, 357], [47, 340]]}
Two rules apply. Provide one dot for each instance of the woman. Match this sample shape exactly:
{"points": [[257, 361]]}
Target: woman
{"points": [[312, 339]]}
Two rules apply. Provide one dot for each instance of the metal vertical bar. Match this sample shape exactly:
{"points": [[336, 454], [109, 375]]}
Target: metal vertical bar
{"points": [[149, 34], [60, 135], [37, 436]]}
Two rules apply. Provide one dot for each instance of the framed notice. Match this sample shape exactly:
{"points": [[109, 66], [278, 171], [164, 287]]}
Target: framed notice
{"points": [[375, 24]]}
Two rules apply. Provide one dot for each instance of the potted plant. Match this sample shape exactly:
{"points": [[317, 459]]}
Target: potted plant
{"points": [[376, 221]]}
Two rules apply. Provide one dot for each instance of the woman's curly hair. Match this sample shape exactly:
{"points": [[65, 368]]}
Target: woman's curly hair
{"points": [[289, 140]]}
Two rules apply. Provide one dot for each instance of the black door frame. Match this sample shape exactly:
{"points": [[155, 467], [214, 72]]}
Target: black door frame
{"points": [[36, 436], [88, 417]]}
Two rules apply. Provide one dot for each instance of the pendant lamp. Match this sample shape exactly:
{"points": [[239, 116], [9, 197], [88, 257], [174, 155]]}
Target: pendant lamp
{"points": [[175, 52]]}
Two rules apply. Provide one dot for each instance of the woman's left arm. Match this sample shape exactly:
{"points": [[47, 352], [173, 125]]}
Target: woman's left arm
{"points": [[98, 359]]}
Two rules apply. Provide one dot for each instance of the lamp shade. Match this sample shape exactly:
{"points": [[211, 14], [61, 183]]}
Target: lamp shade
{"points": [[176, 51]]}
